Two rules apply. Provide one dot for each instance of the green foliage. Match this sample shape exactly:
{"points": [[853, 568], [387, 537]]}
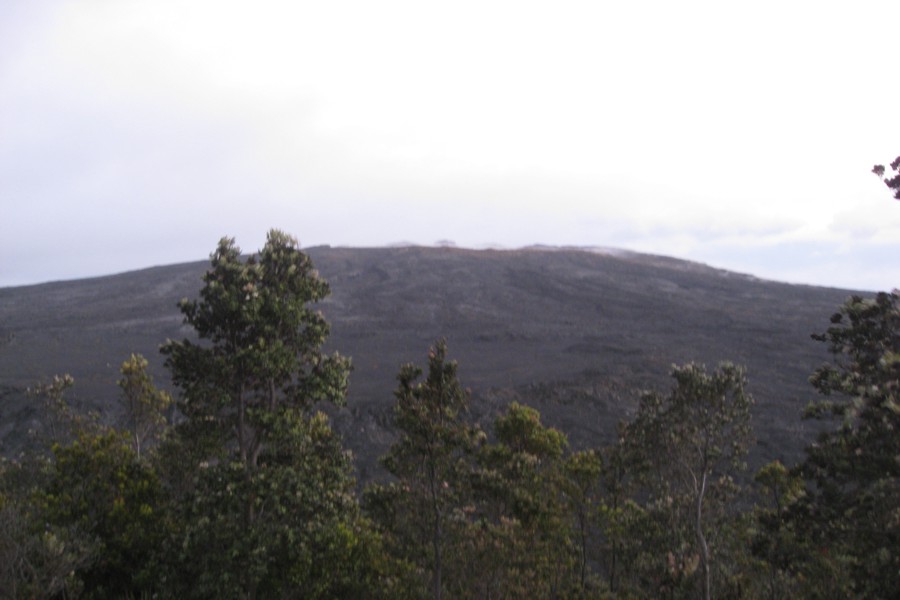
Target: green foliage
{"points": [[500, 518], [429, 415], [520, 431], [262, 500], [37, 559], [582, 489], [774, 540], [145, 405], [849, 517], [519, 467], [61, 423], [432, 462], [261, 346], [617, 514], [523, 516], [82, 518], [307, 539], [99, 488], [686, 446]]}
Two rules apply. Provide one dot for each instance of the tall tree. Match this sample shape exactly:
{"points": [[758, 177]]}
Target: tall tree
{"points": [[259, 351], [583, 488], [850, 510], [776, 541], [617, 512], [521, 485], [691, 441], [431, 461], [268, 487]]}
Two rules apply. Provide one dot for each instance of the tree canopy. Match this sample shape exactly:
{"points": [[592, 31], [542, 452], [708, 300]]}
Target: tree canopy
{"points": [[851, 510]]}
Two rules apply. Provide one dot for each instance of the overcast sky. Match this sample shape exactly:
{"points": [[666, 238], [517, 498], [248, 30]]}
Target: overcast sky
{"points": [[740, 134]]}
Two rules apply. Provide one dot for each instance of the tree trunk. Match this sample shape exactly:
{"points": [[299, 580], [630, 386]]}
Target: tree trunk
{"points": [[436, 541], [241, 432], [437, 533], [615, 544], [581, 519], [701, 539]]}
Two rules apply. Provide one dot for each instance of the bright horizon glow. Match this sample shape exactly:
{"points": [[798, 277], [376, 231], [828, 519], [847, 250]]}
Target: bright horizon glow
{"points": [[137, 133]]}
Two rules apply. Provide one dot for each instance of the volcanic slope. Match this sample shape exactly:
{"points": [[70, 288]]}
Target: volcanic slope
{"points": [[575, 333]]}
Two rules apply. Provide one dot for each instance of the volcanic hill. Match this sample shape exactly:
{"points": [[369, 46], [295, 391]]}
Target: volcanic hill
{"points": [[575, 333]]}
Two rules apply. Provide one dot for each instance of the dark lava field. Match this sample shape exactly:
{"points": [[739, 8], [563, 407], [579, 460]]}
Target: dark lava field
{"points": [[578, 334]]}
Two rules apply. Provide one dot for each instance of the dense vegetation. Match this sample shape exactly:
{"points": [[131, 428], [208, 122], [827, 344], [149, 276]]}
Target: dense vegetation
{"points": [[239, 488]]}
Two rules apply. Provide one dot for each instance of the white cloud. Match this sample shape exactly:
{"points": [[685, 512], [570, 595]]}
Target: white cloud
{"points": [[698, 128]]}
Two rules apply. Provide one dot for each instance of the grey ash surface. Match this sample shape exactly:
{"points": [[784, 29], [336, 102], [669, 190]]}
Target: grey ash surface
{"points": [[576, 334]]}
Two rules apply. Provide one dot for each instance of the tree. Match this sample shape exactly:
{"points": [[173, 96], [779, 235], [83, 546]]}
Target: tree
{"points": [[619, 516], [308, 539], [37, 559], [849, 512], [776, 541], [582, 487], [83, 517], [267, 491], [522, 508], [431, 461], [61, 423], [261, 353], [99, 490], [690, 442], [145, 405], [892, 182]]}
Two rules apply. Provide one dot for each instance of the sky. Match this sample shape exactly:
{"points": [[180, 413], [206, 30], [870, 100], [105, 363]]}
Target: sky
{"points": [[136, 133]]}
